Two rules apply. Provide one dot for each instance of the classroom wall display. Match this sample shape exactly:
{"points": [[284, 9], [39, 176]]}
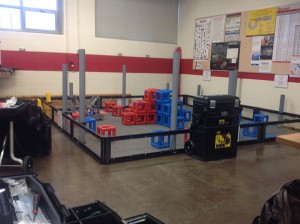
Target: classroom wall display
{"points": [[202, 38], [225, 56], [273, 49], [261, 22], [232, 27], [287, 39]]}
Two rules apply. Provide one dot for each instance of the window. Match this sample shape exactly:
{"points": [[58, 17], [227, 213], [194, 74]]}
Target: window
{"points": [[31, 15], [140, 20]]}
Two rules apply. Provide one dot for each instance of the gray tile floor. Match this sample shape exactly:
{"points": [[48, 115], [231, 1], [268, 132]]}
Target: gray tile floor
{"points": [[176, 189]]}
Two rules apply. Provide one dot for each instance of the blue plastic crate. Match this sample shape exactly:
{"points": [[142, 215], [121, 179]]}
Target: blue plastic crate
{"points": [[166, 121], [163, 96], [179, 105], [91, 123], [166, 109], [180, 122], [160, 142], [159, 118], [159, 107]]}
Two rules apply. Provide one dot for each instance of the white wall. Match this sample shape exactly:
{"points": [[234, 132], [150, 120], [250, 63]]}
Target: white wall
{"points": [[252, 92], [79, 33]]}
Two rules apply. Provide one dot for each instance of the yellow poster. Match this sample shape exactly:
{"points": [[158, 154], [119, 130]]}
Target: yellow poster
{"points": [[261, 22]]}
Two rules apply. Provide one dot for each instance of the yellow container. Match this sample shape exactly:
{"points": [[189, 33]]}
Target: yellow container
{"points": [[39, 103], [48, 97]]}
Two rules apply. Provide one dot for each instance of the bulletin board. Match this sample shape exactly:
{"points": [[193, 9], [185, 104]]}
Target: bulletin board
{"points": [[274, 49]]}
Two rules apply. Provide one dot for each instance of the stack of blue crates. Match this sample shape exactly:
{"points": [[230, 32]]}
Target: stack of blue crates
{"points": [[164, 108]]}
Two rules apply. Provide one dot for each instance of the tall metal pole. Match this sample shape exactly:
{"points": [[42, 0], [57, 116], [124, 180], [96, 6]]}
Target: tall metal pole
{"points": [[81, 53], [65, 88], [198, 90], [167, 85], [232, 81], [176, 61], [72, 99], [281, 107], [124, 86]]}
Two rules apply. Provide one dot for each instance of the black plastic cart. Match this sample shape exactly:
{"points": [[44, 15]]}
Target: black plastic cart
{"points": [[11, 115], [19, 190], [17, 194], [214, 128]]}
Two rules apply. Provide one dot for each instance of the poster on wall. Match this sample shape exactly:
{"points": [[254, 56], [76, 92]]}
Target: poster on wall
{"points": [[281, 81], [262, 49], [206, 75], [217, 29], [261, 22], [232, 27], [202, 38], [225, 56], [295, 70], [265, 66], [256, 46], [266, 51], [199, 65], [287, 38]]}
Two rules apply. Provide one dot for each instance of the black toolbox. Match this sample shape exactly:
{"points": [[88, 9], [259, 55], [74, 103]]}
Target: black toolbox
{"points": [[143, 219], [93, 213], [16, 195], [214, 128], [32, 130], [19, 191]]}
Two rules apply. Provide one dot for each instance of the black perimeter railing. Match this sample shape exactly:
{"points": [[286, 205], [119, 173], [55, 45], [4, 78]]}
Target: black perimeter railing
{"points": [[111, 149]]}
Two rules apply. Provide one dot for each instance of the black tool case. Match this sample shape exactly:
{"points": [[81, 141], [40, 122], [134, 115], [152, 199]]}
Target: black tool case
{"points": [[214, 128], [32, 130], [93, 213], [49, 205], [143, 219]]}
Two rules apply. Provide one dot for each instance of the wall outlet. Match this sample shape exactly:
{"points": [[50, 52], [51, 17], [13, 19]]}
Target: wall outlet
{"points": [[21, 48], [120, 54]]}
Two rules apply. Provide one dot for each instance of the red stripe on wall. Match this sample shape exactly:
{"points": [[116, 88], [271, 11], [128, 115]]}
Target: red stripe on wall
{"points": [[187, 68], [103, 63], [46, 61], [36, 61]]}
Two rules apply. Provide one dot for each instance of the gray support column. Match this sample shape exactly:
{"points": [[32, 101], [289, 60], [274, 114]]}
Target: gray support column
{"points": [[198, 90], [65, 87], [176, 61], [167, 85], [232, 81], [124, 86], [72, 99], [81, 53], [281, 107]]}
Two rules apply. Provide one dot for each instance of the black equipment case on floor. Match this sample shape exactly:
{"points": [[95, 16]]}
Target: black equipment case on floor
{"points": [[19, 191], [214, 128], [32, 130], [143, 219], [96, 212], [16, 206]]}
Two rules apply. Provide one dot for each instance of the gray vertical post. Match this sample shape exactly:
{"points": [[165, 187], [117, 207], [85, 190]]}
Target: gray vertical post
{"points": [[232, 81], [124, 86], [281, 107], [198, 90], [176, 60], [81, 53], [168, 85], [65, 87], [72, 99]]}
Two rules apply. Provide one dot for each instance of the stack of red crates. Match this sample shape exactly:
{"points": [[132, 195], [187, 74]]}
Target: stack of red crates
{"points": [[149, 98], [145, 110]]}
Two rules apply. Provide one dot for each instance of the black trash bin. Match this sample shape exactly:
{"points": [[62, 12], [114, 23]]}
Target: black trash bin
{"points": [[214, 128]]}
